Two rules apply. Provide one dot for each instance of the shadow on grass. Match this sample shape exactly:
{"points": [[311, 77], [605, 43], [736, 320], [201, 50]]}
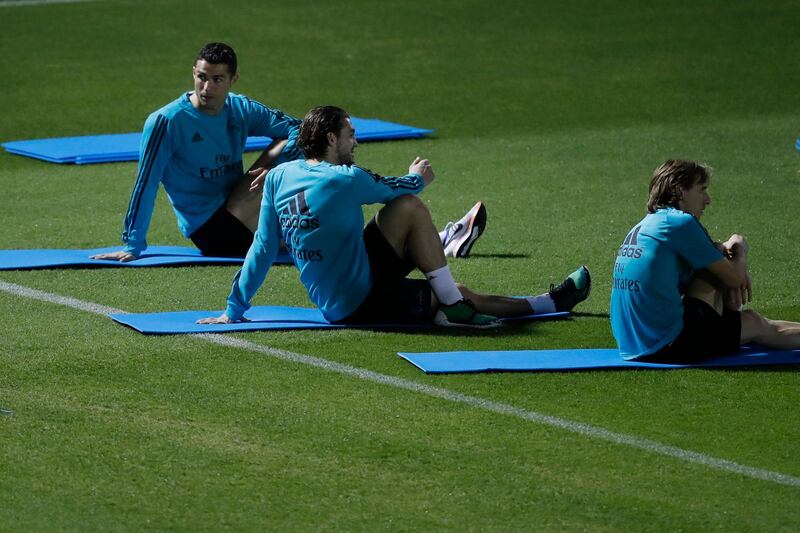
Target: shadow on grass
{"points": [[592, 315], [783, 369]]}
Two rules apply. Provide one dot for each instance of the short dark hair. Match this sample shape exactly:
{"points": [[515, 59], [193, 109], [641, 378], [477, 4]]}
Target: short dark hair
{"points": [[316, 126], [218, 53], [673, 177]]}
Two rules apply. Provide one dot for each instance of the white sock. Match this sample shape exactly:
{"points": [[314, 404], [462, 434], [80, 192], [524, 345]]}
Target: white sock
{"points": [[443, 285], [541, 304]]}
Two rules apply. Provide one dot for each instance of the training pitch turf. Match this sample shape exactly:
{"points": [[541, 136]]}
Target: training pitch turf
{"points": [[553, 114]]}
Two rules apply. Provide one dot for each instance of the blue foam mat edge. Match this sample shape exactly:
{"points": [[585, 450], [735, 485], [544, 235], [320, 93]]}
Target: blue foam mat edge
{"points": [[153, 256], [260, 318], [578, 359]]}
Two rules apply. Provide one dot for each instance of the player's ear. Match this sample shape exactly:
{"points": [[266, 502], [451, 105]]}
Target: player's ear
{"points": [[235, 78], [331, 138]]}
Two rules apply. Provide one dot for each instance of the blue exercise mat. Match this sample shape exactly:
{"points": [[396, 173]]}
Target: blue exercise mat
{"points": [[579, 359], [261, 318], [125, 146], [151, 257]]}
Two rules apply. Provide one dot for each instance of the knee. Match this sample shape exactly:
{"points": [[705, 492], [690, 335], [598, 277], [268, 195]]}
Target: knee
{"points": [[409, 204]]}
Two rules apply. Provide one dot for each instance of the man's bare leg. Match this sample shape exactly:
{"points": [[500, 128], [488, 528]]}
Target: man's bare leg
{"points": [[499, 306], [780, 334], [406, 224], [245, 201], [704, 287]]}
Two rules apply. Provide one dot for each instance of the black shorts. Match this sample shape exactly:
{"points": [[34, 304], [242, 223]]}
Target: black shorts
{"points": [[705, 334], [223, 235], [393, 299]]}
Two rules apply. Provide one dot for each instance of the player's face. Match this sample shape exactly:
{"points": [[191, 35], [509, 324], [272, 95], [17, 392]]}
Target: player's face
{"points": [[695, 199], [346, 144], [212, 83]]}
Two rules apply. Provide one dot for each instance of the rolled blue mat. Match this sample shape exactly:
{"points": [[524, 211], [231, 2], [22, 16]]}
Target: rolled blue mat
{"points": [[153, 256], [119, 147]]}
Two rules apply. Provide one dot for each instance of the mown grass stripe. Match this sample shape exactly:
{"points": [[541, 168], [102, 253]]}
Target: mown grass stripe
{"points": [[15, 3], [579, 428]]}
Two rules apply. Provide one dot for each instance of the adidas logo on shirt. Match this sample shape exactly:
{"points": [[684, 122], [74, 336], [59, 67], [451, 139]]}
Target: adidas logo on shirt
{"points": [[197, 137]]}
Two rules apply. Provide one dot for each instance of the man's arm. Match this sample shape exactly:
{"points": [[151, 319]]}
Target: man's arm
{"points": [[258, 170], [371, 188], [282, 128], [154, 154], [256, 265], [732, 271], [262, 120]]}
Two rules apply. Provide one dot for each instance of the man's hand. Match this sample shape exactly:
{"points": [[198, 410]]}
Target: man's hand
{"points": [[121, 256], [265, 162], [738, 296], [735, 246], [423, 168], [221, 319], [258, 175], [746, 290]]}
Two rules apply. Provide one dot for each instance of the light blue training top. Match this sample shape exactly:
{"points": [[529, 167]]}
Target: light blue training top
{"points": [[198, 158], [654, 265], [316, 209]]}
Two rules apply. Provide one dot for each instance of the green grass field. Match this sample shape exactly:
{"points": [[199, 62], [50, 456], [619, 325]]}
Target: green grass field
{"points": [[553, 114]]}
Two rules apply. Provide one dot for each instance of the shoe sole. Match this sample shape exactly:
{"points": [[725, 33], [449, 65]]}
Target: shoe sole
{"points": [[476, 226]]}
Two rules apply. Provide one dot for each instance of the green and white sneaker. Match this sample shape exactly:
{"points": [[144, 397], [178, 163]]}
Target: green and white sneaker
{"points": [[463, 314], [572, 291]]}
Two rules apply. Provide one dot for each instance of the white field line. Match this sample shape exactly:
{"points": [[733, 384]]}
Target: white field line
{"points": [[438, 392], [15, 3]]}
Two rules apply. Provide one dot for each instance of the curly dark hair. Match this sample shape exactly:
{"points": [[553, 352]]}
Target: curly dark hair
{"points": [[316, 126], [672, 177], [218, 53]]}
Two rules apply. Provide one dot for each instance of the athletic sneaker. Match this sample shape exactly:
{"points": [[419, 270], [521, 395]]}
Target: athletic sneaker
{"points": [[459, 237], [572, 291], [463, 314]]}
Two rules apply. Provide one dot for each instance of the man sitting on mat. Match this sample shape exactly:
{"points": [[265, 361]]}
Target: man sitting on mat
{"points": [[357, 274], [677, 295], [194, 147]]}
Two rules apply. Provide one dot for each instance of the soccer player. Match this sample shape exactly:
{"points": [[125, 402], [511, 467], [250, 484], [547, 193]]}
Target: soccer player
{"points": [[356, 274], [677, 295], [194, 146]]}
